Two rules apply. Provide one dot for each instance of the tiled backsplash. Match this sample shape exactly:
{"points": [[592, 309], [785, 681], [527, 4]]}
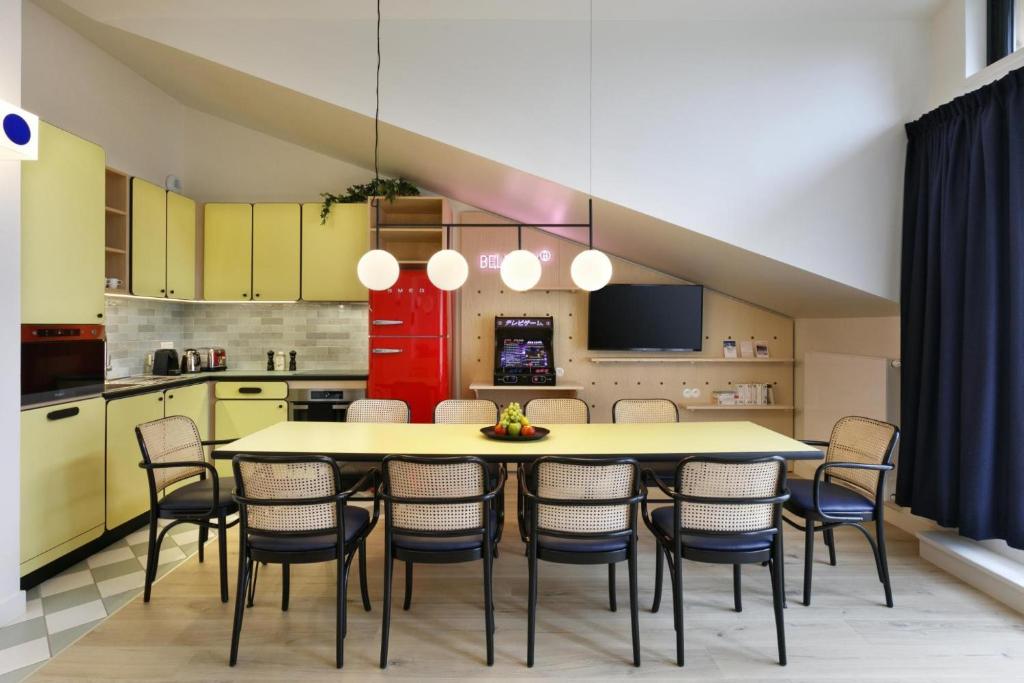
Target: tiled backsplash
{"points": [[325, 336]]}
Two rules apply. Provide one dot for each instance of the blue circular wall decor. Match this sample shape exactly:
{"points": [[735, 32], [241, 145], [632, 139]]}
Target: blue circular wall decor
{"points": [[16, 129]]}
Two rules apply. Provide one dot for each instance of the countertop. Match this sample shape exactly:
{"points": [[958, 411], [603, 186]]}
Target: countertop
{"points": [[111, 389]]}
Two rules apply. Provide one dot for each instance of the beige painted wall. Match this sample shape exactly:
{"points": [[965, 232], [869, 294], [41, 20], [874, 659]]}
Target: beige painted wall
{"points": [[485, 296], [878, 337]]}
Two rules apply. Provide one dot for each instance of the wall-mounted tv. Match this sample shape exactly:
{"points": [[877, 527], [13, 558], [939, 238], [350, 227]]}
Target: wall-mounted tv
{"points": [[646, 318]]}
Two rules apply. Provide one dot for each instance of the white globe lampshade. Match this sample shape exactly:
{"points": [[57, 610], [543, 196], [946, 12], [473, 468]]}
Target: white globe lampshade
{"points": [[377, 269], [447, 270], [591, 270], [520, 270]]}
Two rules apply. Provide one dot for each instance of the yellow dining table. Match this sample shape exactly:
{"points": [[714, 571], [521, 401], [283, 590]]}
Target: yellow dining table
{"points": [[645, 442]]}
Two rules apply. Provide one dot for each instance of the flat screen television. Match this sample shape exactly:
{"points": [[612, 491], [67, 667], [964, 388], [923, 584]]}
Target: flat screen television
{"points": [[646, 318]]}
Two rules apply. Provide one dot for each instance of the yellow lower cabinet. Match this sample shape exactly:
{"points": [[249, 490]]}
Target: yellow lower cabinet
{"points": [[61, 480], [127, 486], [237, 418], [192, 402]]}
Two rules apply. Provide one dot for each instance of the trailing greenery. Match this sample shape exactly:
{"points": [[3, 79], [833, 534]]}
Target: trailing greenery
{"points": [[389, 188]]}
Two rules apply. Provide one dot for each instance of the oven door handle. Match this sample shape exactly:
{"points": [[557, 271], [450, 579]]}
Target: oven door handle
{"points": [[62, 414], [340, 406], [300, 406], [385, 352]]}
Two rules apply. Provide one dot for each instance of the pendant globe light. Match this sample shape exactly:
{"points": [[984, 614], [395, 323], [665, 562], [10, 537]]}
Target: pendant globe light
{"points": [[378, 269], [591, 269], [447, 269], [520, 269]]}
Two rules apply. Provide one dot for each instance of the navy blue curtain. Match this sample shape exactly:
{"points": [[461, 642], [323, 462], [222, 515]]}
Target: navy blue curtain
{"points": [[962, 303]]}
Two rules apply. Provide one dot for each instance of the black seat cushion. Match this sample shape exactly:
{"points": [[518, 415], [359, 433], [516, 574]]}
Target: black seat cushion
{"points": [[198, 495], [662, 519], [581, 545], [436, 544], [356, 520], [833, 499]]}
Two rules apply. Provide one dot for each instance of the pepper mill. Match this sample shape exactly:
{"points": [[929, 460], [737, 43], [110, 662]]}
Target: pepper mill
{"points": [[270, 360], [291, 360]]}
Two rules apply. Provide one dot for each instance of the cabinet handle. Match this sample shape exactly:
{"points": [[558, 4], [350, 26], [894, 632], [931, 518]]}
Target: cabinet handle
{"points": [[170, 396], [160, 398], [245, 295], [172, 291], [62, 414], [161, 291], [250, 390], [257, 294], [280, 405], [99, 315]]}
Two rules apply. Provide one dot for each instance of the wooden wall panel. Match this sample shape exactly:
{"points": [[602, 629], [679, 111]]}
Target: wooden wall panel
{"points": [[484, 296]]}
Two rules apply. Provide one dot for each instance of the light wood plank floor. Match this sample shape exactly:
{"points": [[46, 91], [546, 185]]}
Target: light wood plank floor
{"points": [[940, 628]]}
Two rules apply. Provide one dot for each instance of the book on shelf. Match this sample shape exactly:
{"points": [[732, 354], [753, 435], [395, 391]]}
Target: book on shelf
{"points": [[729, 348]]}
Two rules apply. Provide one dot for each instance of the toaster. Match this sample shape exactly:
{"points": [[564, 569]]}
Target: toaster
{"points": [[215, 358], [165, 362]]}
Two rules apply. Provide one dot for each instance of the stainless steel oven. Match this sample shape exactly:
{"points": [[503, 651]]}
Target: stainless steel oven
{"points": [[322, 404]]}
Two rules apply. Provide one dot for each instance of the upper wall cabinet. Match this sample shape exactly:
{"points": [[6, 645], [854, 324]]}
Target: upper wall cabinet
{"points": [[330, 252], [227, 256], [62, 231], [275, 252], [181, 247], [149, 239]]}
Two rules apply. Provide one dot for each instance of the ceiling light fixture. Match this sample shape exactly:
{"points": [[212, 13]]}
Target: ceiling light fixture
{"points": [[378, 269], [520, 269], [447, 269], [591, 269]]}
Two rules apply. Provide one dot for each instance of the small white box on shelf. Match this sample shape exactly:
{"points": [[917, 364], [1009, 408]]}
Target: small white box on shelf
{"points": [[746, 349], [729, 348]]}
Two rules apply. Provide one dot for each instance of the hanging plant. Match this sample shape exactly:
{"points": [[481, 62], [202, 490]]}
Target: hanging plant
{"points": [[389, 188]]}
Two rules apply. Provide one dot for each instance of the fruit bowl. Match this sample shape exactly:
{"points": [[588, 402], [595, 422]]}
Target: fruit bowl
{"points": [[538, 433]]}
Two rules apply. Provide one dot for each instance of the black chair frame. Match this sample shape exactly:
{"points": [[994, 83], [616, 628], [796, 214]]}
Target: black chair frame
{"points": [[827, 522], [200, 519], [342, 552], [535, 552], [485, 551], [674, 551]]}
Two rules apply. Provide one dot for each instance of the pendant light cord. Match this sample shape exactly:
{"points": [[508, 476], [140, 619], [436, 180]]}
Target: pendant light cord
{"points": [[590, 132], [376, 136]]}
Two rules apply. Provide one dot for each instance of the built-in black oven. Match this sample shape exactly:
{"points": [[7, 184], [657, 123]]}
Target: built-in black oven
{"points": [[61, 361], [321, 404]]}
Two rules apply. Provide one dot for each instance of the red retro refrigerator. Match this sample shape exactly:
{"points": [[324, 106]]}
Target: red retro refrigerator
{"points": [[409, 344]]}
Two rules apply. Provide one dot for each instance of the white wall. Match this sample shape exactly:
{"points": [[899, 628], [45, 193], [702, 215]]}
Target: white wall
{"points": [[777, 127], [76, 86], [230, 163], [12, 599]]}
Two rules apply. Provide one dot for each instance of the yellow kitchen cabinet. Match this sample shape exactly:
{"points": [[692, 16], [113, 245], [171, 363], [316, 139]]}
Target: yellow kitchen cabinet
{"points": [[62, 230], [193, 402], [61, 480], [330, 252], [149, 239], [181, 247], [251, 390], [235, 418], [127, 486], [227, 252], [275, 252]]}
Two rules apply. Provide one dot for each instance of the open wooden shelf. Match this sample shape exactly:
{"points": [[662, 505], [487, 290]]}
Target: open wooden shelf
{"points": [[116, 231], [674, 359], [709, 406], [412, 246]]}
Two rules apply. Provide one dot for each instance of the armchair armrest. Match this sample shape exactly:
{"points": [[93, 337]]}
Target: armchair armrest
{"points": [[822, 471]]}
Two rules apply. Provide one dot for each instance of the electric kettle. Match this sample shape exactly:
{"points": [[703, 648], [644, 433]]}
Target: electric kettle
{"points": [[190, 361]]}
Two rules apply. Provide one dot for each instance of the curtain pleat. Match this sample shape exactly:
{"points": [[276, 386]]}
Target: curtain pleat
{"points": [[961, 460]]}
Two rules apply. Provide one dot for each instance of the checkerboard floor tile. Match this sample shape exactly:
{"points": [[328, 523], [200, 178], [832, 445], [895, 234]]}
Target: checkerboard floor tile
{"points": [[61, 610]]}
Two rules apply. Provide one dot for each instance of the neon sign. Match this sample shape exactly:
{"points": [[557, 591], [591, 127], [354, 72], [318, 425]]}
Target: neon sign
{"points": [[493, 261]]}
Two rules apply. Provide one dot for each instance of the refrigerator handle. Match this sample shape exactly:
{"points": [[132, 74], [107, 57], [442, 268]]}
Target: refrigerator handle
{"points": [[383, 323], [386, 351]]}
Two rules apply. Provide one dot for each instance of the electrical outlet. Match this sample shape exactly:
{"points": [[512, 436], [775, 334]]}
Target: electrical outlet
{"points": [[166, 345]]}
